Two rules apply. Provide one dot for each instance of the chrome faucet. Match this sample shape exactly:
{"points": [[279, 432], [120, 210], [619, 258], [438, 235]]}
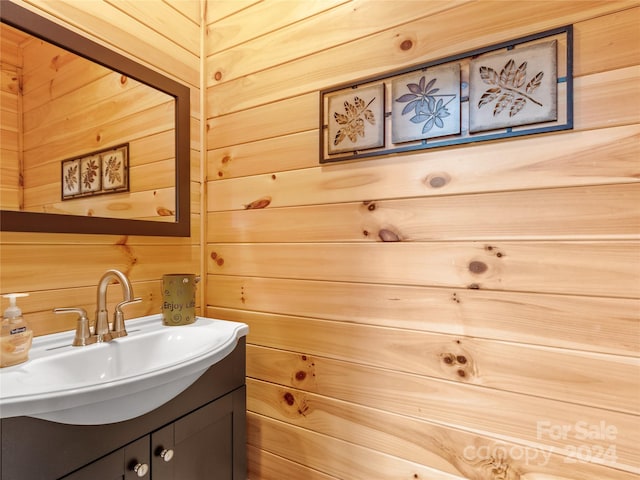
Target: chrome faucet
{"points": [[102, 331]]}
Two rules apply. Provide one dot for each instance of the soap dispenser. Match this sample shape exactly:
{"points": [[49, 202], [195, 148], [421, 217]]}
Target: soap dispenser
{"points": [[16, 336]]}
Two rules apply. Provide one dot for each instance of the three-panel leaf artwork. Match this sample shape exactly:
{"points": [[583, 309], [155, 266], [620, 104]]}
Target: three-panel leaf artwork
{"points": [[96, 173], [484, 95]]}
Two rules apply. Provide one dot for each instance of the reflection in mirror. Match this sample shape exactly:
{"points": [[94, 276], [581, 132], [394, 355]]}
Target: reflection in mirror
{"points": [[59, 107], [65, 107]]}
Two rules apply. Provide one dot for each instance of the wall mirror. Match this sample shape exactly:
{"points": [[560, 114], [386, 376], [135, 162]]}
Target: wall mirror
{"points": [[93, 142]]}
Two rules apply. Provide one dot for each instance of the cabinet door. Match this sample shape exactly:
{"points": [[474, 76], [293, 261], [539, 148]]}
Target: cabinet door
{"points": [[107, 468], [201, 443], [128, 463], [137, 460], [163, 453]]}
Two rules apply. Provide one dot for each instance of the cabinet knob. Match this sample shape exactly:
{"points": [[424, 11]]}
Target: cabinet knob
{"points": [[166, 454], [141, 469]]}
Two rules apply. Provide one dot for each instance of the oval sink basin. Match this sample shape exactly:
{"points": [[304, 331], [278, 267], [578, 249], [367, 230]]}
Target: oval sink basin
{"points": [[114, 381]]}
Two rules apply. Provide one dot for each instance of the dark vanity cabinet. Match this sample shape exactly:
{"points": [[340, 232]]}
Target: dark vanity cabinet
{"points": [[125, 463], [199, 435]]}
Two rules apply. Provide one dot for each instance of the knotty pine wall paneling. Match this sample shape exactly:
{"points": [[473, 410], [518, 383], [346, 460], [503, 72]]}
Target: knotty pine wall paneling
{"points": [[62, 270], [10, 106], [497, 335]]}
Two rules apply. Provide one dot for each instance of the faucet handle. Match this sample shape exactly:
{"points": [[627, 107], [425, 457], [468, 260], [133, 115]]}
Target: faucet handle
{"points": [[119, 329], [83, 333]]}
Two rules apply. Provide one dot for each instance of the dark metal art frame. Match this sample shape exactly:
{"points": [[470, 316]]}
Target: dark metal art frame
{"points": [[427, 144]]}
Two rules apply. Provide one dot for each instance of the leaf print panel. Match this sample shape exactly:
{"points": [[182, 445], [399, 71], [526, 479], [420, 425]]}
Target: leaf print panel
{"points": [[356, 119], [115, 169], [90, 174], [514, 87], [426, 104], [70, 178]]}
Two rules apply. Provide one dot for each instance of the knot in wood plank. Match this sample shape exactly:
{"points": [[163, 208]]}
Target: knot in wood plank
{"points": [[387, 235], [257, 204]]}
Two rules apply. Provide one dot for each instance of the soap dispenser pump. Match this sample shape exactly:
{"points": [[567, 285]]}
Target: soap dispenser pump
{"points": [[16, 336]]}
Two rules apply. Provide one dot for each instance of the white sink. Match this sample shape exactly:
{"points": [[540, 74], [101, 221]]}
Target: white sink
{"points": [[114, 381]]}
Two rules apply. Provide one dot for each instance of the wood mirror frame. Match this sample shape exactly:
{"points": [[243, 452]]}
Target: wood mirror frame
{"points": [[19, 221]]}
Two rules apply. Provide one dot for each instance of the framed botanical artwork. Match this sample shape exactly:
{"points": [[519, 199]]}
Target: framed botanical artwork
{"points": [[356, 119], [90, 174], [115, 169], [510, 89], [70, 178], [426, 103], [96, 173], [513, 87]]}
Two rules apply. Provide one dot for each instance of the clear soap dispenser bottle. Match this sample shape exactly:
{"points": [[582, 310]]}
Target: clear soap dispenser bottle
{"points": [[16, 336]]}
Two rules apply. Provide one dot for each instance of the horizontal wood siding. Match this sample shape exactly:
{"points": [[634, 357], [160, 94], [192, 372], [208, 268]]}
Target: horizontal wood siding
{"points": [[10, 119], [438, 314], [62, 270]]}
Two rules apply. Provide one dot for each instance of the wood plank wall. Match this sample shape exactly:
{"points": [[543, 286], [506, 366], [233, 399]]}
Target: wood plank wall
{"points": [[61, 270], [10, 145], [400, 360]]}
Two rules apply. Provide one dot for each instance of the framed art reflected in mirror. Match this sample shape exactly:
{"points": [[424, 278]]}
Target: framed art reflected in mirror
{"points": [[94, 101]]}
